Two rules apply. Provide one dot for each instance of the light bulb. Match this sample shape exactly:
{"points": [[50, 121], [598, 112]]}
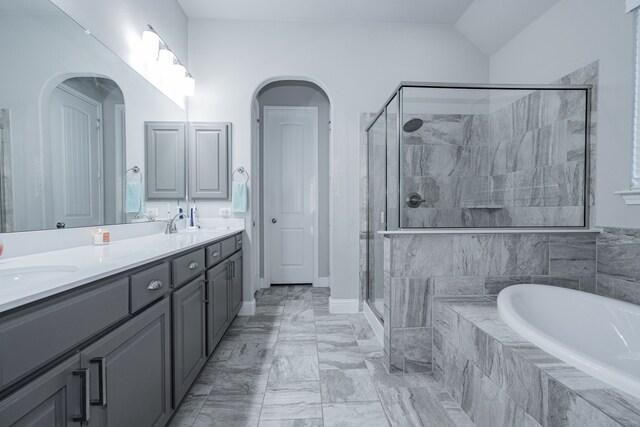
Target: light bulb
{"points": [[165, 58], [150, 44], [189, 86], [178, 72]]}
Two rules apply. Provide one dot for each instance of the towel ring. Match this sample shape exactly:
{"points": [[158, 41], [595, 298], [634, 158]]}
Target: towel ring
{"points": [[243, 172], [136, 171]]}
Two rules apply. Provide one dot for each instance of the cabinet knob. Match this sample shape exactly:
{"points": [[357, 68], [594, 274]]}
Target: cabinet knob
{"points": [[155, 284], [273, 220], [193, 265], [215, 254]]}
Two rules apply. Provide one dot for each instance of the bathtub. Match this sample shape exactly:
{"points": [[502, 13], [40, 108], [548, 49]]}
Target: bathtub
{"points": [[597, 335]]}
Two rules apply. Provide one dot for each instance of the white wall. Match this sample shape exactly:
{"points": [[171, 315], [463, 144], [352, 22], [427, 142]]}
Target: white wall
{"points": [[569, 36], [358, 65]]}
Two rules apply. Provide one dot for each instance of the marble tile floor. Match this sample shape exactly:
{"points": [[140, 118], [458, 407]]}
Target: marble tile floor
{"points": [[294, 364]]}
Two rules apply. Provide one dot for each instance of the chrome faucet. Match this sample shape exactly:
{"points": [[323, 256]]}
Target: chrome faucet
{"points": [[144, 215], [171, 225]]}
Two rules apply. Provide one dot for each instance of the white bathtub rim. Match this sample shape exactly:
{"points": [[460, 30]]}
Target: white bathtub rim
{"points": [[611, 376]]}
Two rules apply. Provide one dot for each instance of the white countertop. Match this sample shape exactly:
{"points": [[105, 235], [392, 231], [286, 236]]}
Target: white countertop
{"points": [[96, 262]]}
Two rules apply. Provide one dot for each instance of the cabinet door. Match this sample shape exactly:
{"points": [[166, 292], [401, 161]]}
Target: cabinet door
{"points": [[236, 283], [209, 160], [189, 335], [130, 370], [52, 400], [218, 307], [165, 160]]}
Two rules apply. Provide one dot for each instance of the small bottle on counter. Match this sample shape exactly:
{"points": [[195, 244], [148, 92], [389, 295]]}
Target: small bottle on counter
{"points": [[101, 237]]}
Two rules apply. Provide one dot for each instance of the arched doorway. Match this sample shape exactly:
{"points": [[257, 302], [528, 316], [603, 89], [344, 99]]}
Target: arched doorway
{"points": [[280, 111]]}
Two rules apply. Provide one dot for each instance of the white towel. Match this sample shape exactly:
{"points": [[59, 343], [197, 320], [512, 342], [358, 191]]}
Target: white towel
{"points": [[134, 197], [239, 197]]}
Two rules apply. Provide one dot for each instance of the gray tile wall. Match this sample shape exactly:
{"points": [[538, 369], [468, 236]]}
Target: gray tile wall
{"points": [[501, 380], [423, 266], [522, 165], [618, 264]]}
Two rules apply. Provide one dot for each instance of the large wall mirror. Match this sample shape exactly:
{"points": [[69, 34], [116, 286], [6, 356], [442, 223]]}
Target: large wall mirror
{"points": [[71, 123]]}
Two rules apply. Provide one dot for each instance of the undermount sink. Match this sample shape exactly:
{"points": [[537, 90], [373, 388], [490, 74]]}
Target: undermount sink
{"points": [[35, 274]]}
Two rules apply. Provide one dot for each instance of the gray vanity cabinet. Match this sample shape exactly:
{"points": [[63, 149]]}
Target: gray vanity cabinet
{"points": [[130, 371], [189, 335], [236, 282], [209, 160], [218, 306], [52, 400], [165, 144]]}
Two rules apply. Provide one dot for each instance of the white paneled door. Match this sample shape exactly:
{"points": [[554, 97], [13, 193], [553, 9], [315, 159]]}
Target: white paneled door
{"points": [[76, 159], [290, 192]]}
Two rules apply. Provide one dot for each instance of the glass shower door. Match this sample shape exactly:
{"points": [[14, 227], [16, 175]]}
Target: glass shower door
{"points": [[377, 206]]}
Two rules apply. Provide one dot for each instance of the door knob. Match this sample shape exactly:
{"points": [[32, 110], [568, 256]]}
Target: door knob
{"points": [[273, 220]]}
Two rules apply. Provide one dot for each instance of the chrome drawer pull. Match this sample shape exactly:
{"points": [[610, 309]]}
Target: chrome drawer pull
{"points": [[239, 242], [193, 265], [155, 284], [215, 254]]}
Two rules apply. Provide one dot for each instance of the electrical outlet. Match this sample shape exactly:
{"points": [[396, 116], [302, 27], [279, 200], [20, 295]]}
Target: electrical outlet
{"points": [[224, 212]]}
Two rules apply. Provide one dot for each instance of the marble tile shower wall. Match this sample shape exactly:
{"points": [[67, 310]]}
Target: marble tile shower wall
{"points": [[522, 165], [618, 267], [421, 267]]}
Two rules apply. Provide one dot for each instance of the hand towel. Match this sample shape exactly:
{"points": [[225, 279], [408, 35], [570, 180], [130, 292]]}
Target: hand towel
{"points": [[134, 197], [239, 197]]}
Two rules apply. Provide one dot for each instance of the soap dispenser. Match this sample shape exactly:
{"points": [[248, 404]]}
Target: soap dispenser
{"points": [[193, 217]]}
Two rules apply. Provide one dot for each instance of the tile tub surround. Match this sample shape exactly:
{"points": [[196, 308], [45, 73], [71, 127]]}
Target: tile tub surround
{"points": [[521, 165], [618, 267], [273, 370], [419, 267], [500, 379]]}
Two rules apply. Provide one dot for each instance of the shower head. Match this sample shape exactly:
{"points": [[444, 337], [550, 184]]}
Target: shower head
{"points": [[413, 125]]}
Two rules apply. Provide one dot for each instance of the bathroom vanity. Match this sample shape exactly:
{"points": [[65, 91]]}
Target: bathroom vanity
{"points": [[122, 344]]}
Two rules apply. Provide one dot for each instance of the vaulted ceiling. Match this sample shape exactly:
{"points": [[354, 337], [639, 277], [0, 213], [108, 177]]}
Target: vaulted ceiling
{"points": [[487, 23]]}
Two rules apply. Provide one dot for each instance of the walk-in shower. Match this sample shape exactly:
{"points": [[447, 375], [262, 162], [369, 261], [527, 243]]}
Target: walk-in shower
{"points": [[475, 156]]}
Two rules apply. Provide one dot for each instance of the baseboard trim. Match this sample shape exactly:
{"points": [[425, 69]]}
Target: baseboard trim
{"points": [[375, 323], [263, 283], [248, 308], [344, 305], [322, 282]]}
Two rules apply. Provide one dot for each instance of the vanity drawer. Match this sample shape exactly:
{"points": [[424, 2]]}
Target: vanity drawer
{"points": [[239, 242], [228, 247], [149, 285], [214, 254], [188, 266], [38, 334]]}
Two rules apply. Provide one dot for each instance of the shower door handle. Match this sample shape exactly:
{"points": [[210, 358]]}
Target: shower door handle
{"points": [[414, 200]]}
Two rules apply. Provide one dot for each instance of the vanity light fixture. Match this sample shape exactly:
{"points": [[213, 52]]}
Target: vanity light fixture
{"points": [[157, 51], [151, 44]]}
